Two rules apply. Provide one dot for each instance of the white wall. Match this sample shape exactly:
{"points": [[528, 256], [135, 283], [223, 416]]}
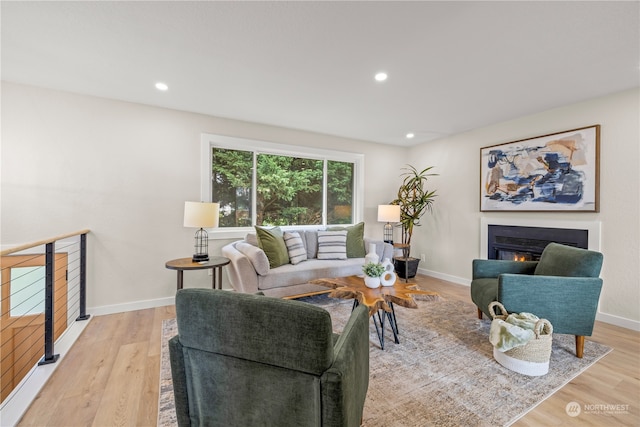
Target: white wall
{"points": [[124, 170], [451, 237]]}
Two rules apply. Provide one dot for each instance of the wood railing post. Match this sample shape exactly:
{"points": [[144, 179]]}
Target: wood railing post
{"points": [[83, 278], [49, 357]]}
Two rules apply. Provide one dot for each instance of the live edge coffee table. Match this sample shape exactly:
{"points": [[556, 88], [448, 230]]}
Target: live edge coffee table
{"points": [[380, 301]]}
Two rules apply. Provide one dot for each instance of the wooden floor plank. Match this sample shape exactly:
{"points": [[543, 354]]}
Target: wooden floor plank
{"points": [[160, 314], [111, 375], [122, 396], [148, 412]]}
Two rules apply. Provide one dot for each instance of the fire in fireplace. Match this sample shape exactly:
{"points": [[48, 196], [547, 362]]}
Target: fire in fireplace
{"points": [[516, 243]]}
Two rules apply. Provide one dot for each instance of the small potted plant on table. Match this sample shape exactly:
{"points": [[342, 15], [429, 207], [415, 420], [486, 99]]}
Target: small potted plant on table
{"points": [[414, 200], [372, 272]]}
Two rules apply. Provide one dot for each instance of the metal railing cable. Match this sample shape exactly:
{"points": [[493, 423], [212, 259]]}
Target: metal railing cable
{"points": [[43, 292]]}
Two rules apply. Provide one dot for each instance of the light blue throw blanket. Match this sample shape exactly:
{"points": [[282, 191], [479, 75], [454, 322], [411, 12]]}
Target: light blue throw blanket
{"points": [[515, 331]]}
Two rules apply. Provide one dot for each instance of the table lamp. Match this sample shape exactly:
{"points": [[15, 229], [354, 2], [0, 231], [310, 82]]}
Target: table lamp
{"points": [[388, 214], [201, 215]]}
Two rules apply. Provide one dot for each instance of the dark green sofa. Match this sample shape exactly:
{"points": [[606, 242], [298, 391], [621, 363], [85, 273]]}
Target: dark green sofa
{"points": [[251, 360], [563, 287]]}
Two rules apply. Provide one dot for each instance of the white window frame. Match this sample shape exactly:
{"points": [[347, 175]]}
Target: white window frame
{"points": [[209, 141]]}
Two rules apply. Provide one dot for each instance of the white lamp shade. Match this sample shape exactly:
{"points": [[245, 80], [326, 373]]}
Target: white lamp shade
{"points": [[389, 213], [201, 215]]}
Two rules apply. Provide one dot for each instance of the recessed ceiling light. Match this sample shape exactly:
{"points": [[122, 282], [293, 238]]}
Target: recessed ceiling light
{"points": [[410, 135], [162, 86], [381, 76]]}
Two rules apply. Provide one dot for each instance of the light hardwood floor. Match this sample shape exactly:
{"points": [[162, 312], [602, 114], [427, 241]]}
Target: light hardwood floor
{"points": [[111, 375]]}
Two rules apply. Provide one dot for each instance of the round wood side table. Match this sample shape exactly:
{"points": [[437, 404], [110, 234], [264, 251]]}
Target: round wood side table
{"points": [[215, 263]]}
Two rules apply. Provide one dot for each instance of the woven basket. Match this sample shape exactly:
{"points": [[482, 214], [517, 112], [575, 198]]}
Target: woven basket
{"points": [[532, 358]]}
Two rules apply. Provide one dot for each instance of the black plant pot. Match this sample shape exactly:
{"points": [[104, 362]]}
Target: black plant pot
{"points": [[411, 269]]}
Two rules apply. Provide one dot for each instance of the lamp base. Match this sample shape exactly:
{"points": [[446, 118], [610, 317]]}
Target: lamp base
{"points": [[200, 258], [388, 233]]}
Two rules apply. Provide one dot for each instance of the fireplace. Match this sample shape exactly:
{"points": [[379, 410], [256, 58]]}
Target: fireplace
{"points": [[523, 243]]}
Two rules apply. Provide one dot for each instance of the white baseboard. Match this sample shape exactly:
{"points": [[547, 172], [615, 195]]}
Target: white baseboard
{"points": [[618, 321], [131, 306], [447, 277], [16, 404], [134, 305]]}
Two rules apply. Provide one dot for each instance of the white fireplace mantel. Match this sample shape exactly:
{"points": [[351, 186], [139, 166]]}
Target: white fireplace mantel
{"points": [[593, 227]]}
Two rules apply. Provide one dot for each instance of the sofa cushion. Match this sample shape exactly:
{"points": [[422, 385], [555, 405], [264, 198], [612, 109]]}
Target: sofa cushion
{"points": [[289, 274], [332, 244], [256, 256], [355, 240], [295, 247], [311, 238], [567, 261], [272, 243]]}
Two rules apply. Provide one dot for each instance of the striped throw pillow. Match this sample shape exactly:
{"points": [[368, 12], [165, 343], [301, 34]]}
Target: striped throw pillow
{"points": [[332, 244], [297, 252]]}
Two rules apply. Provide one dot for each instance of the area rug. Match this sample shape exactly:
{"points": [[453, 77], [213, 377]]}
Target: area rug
{"points": [[442, 373]]}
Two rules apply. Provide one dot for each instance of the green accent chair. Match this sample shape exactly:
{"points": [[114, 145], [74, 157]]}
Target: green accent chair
{"points": [[563, 287], [250, 360]]}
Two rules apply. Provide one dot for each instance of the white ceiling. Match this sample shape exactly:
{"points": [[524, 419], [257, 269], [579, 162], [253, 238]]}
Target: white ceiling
{"points": [[453, 66]]}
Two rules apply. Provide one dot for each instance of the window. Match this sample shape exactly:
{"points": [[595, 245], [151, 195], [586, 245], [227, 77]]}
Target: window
{"points": [[260, 183]]}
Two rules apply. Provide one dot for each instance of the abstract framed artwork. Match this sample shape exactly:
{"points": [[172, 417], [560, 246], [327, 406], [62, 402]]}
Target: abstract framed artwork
{"points": [[555, 172]]}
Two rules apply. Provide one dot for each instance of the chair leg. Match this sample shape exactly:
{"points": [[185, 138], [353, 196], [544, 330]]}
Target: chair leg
{"points": [[479, 314], [579, 345]]}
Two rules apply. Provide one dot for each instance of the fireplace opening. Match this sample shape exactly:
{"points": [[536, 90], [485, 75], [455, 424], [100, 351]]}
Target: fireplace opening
{"points": [[516, 243], [517, 255]]}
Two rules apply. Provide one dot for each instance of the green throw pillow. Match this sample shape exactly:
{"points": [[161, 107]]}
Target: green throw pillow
{"points": [[355, 240], [271, 242]]}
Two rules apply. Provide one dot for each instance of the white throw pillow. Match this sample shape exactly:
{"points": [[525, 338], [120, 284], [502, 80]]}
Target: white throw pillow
{"points": [[332, 244], [256, 255], [295, 247], [252, 239]]}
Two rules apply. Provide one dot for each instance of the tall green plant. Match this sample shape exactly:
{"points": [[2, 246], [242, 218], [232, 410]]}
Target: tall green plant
{"points": [[414, 199]]}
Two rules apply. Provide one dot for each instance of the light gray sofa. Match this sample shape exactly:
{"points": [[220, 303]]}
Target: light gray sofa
{"points": [[249, 270]]}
